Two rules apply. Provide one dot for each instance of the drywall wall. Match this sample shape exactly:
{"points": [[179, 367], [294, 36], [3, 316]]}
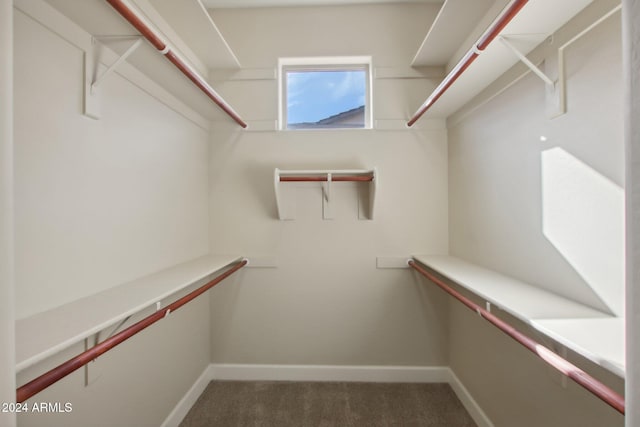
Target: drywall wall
{"points": [[514, 387], [101, 202], [631, 68], [326, 303], [98, 202], [7, 346], [136, 384], [541, 200]]}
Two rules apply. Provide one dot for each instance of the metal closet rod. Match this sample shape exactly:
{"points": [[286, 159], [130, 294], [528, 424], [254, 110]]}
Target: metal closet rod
{"points": [[56, 374], [491, 33], [606, 394], [156, 40], [339, 178]]}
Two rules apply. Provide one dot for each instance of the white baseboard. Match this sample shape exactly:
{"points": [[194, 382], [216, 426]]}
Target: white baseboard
{"points": [[182, 408], [396, 374], [402, 374], [468, 401]]}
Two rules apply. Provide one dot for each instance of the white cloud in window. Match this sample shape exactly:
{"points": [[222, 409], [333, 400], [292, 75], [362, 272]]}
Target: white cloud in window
{"points": [[351, 84]]}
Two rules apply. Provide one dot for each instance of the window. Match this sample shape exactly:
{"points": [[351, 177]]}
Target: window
{"points": [[325, 93]]}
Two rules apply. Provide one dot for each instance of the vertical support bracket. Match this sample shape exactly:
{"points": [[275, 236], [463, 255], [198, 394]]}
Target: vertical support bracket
{"points": [[91, 104], [285, 200], [561, 351], [554, 90], [91, 78], [367, 197], [92, 371], [276, 190], [557, 65], [556, 103], [563, 378], [326, 198]]}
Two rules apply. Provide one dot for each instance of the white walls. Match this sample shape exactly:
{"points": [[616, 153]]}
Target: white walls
{"points": [[631, 47], [514, 387], [136, 384], [101, 202], [326, 303], [7, 346], [98, 203], [541, 200]]}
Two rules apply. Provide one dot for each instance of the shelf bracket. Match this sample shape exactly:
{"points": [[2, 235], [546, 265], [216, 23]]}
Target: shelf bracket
{"points": [[118, 327], [115, 65], [92, 371], [563, 378], [554, 90], [537, 71], [96, 339], [326, 198], [91, 65]]}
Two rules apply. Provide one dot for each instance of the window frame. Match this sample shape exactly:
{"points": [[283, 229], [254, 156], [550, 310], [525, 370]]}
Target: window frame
{"points": [[311, 64]]}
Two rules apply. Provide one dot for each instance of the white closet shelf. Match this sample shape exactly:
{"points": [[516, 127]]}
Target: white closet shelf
{"points": [[45, 334], [94, 26], [593, 334], [285, 199], [532, 25], [194, 26], [600, 340]]}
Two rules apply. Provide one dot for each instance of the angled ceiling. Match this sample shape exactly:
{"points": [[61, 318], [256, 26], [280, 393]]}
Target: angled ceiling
{"points": [[454, 23], [193, 30]]}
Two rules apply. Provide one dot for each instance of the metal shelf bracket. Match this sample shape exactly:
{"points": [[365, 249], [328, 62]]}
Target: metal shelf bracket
{"points": [[554, 90], [91, 65], [537, 71], [120, 60]]}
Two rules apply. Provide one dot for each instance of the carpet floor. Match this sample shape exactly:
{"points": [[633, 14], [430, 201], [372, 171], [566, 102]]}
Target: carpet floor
{"points": [[325, 404]]}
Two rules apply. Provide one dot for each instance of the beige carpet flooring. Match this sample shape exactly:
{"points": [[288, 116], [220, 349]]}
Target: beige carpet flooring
{"points": [[324, 404]]}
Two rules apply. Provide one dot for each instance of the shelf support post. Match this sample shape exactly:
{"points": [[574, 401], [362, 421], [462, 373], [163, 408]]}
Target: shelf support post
{"points": [[326, 198]]}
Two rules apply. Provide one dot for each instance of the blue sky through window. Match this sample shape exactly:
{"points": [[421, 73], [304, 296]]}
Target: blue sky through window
{"points": [[316, 95]]}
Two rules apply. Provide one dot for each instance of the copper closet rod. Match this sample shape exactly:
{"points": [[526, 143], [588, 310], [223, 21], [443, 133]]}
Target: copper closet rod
{"points": [[600, 390], [56, 374], [343, 178], [153, 38], [491, 33]]}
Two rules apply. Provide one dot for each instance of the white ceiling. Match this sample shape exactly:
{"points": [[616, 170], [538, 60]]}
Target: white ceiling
{"points": [[213, 4]]}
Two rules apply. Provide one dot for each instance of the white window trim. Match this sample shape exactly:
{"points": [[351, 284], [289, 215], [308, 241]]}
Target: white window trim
{"points": [[324, 63]]}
